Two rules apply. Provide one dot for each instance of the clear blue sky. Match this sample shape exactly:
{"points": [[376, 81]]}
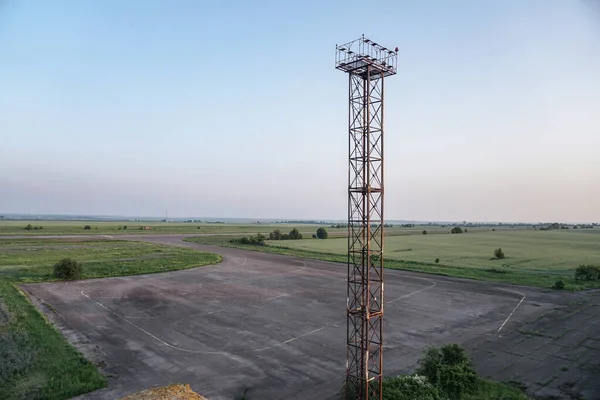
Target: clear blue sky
{"points": [[234, 108]]}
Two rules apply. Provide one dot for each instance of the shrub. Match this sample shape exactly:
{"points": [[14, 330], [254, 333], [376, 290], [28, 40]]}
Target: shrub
{"points": [[314, 235], [124, 226], [457, 380], [559, 285], [437, 260], [258, 240], [87, 227], [275, 235], [587, 273], [322, 233], [424, 232], [456, 229], [295, 234], [450, 369], [68, 269], [409, 387], [466, 230], [499, 254], [28, 227]]}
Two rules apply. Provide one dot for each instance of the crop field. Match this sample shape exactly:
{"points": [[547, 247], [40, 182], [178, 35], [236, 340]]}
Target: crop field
{"points": [[532, 257], [35, 361]]}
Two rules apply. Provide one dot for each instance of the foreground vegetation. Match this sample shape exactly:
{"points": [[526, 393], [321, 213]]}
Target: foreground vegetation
{"points": [[35, 360], [447, 373], [526, 257]]}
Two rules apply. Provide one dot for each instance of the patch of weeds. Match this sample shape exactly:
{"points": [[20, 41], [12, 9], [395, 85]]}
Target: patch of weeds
{"points": [[532, 333], [563, 333], [564, 368], [497, 270], [549, 381]]}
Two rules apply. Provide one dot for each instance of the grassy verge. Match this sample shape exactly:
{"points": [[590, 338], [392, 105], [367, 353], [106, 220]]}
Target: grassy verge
{"points": [[535, 278], [35, 360], [496, 391]]}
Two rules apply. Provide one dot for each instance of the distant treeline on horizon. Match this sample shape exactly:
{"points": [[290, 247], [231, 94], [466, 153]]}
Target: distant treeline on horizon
{"points": [[333, 223]]}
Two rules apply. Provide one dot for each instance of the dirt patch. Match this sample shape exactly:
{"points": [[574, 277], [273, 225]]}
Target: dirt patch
{"points": [[171, 392]]}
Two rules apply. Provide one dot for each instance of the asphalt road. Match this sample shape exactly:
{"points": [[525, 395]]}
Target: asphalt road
{"points": [[274, 326]]}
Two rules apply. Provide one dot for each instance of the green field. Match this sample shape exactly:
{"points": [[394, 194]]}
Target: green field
{"points": [[50, 228], [35, 360], [533, 257], [110, 228], [558, 250]]}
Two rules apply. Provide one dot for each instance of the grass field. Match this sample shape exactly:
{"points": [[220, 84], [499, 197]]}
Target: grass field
{"points": [[35, 360], [533, 257], [54, 228], [13, 228]]}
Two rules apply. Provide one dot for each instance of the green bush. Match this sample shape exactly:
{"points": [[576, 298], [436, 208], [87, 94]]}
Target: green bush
{"points": [[424, 232], [449, 369], [295, 234], [314, 235], [559, 285], [87, 227], [258, 240], [456, 229], [28, 227], [437, 260], [322, 233], [587, 273], [457, 380], [409, 387], [499, 254], [68, 269]]}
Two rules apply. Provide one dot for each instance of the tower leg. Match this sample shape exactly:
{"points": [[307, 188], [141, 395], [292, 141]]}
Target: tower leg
{"points": [[364, 344]]}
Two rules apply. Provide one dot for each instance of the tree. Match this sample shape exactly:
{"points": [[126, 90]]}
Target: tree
{"points": [[87, 227], [28, 227], [295, 234], [449, 369], [456, 229], [275, 235], [424, 232], [322, 233], [499, 254]]}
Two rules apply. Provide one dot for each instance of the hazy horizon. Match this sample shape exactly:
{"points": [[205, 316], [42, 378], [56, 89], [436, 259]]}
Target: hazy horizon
{"points": [[235, 109]]}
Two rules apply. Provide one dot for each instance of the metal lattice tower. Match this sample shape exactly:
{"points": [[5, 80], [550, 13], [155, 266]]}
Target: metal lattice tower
{"points": [[367, 64]]}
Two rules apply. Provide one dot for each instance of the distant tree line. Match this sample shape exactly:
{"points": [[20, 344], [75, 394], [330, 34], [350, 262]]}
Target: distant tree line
{"points": [[303, 222]]}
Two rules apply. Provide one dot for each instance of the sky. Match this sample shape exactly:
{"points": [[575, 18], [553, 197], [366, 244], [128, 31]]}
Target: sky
{"points": [[234, 108]]}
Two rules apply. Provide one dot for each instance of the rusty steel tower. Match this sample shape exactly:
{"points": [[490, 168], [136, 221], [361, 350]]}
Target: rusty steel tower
{"points": [[367, 64]]}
